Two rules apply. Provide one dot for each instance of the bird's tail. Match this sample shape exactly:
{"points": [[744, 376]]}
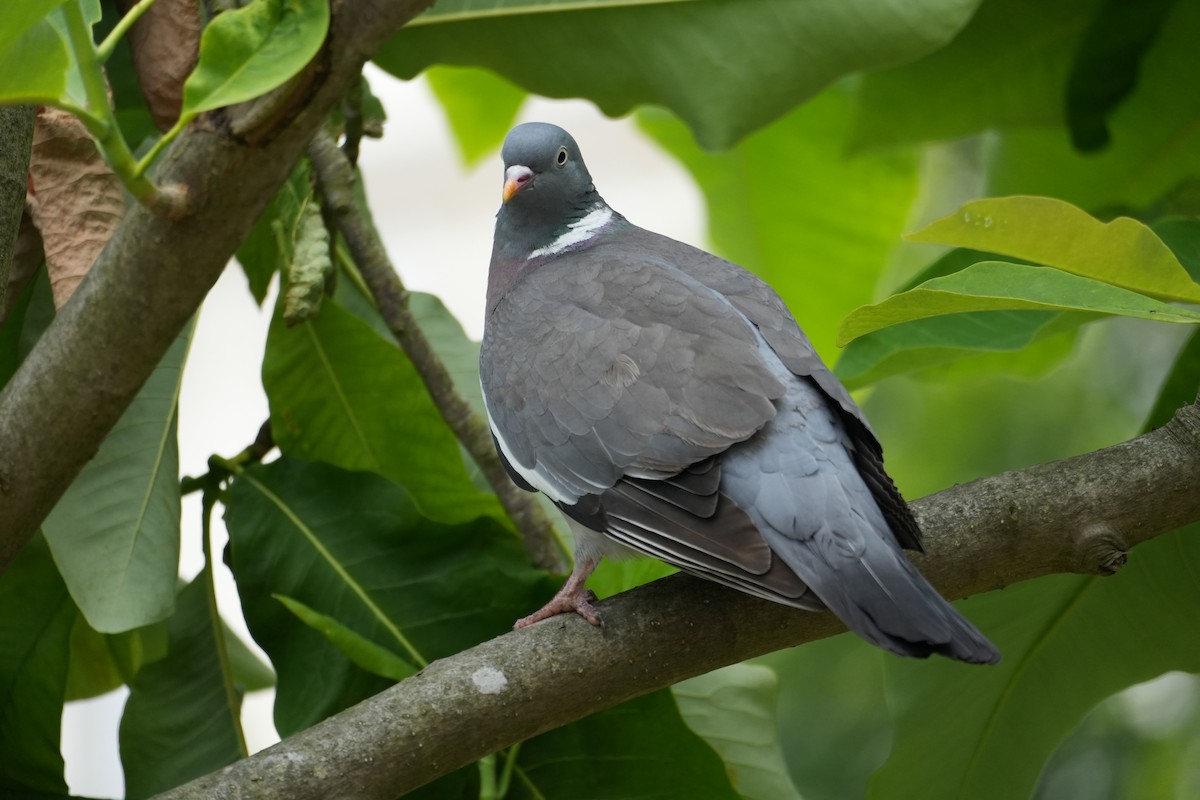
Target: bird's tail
{"points": [[883, 598]]}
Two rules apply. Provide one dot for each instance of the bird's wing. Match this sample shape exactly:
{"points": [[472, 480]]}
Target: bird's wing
{"points": [[602, 367], [762, 305]]}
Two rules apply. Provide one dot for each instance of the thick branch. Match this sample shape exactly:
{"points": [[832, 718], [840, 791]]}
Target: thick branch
{"points": [[151, 277], [16, 139], [336, 179], [1080, 514]]}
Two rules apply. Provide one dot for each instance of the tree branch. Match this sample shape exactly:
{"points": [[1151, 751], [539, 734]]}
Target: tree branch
{"points": [[16, 141], [1080, 514], [151, 277], [336, 180]]}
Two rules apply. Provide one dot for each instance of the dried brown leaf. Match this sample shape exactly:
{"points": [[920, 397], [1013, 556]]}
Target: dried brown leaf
{"points": [[78, 201], [165, 44]]}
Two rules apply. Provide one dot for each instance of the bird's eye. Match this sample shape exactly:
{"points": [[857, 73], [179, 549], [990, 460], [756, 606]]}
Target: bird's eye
{"points": [[561, 158]]}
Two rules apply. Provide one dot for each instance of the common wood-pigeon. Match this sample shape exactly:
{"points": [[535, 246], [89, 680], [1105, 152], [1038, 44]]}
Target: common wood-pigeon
{"points": [[666, 400]]}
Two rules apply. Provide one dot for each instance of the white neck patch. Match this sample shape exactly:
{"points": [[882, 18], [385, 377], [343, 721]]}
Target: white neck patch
{"points": [[577, 232]]}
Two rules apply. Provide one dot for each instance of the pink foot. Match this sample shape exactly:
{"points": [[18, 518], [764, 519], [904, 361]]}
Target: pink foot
{"points": [[571, 597]]}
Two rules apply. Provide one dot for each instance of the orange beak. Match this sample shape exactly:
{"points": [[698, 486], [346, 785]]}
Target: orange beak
{"points": [[516, 178]]}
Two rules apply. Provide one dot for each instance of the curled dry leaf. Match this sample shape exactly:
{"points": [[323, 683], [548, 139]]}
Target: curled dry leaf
{"points": [[310, 269], [26, 258], [166, 45], [78, 201]]}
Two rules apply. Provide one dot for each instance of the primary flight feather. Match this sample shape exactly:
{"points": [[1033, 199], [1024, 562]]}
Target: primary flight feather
{"points": [[666, 400]]}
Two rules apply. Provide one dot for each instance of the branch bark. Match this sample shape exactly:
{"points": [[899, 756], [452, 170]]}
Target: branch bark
{"points": [[16, 140], [154, 273], [336, 179], [1081, 514]]}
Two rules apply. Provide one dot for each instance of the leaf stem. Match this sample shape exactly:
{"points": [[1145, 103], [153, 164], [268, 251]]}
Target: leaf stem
{"points": [[163, 141], [98, 117], [105, 50], [214, 613], [487, 777], [510, 761]]}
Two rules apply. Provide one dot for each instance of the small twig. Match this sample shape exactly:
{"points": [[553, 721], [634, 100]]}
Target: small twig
{"points": [[219, 469], [352, 113], [336, 181]]}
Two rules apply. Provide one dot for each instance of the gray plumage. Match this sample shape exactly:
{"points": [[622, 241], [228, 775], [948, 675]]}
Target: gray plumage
{"points": [[667, 399]]}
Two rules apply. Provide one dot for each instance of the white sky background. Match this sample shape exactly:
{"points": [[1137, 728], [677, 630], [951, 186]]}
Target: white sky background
{"points": [[436, 217]]}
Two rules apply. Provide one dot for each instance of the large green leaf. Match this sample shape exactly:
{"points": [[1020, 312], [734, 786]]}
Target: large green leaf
{"points": [[789, 205], [934, 341], [1105, 69], [34, 66], [733, 709], [251, 50], [832, 715], [1007, 68], [115, 533], [340, 393], [1002, 286], [35, 633], [480, 107], [641, 748], [726, 68], [1068, 642], [181, 719], [354, 547], [23, 16], [1123, 252], [1155, 136], [1181, 386], [359, 649]]}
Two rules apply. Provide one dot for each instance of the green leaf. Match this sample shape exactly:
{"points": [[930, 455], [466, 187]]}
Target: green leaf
{"points": [[1007, 68], [924, 343], [355, 546], [250, 673], [1155, 135], [35, 635], [115, 533], [93, 671], [822, 249], [30, 313], [832, 715], [1001, 286], [249, 51], [1068, 642], [34, 67], [339, 393], [646, 747], [725, 68], [614, 576], [1105, 69], [445, 333], [1181, 385], [480, 107], [23, 16], [733, 709], [362, 651], [1048, 231], [268, 247], [179, 722]]}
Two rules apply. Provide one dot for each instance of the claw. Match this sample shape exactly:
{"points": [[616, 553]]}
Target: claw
{"points": [[573, 596]]}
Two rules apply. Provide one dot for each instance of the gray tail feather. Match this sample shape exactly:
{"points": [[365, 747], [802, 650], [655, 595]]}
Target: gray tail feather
{"points": [[884, 599]]}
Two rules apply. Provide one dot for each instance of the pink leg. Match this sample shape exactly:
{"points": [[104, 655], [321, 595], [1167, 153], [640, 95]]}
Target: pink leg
{"points": [[573, 596]]}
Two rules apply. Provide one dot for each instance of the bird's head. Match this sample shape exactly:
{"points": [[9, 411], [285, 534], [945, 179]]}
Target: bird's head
{"points": [[543, 169]]}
